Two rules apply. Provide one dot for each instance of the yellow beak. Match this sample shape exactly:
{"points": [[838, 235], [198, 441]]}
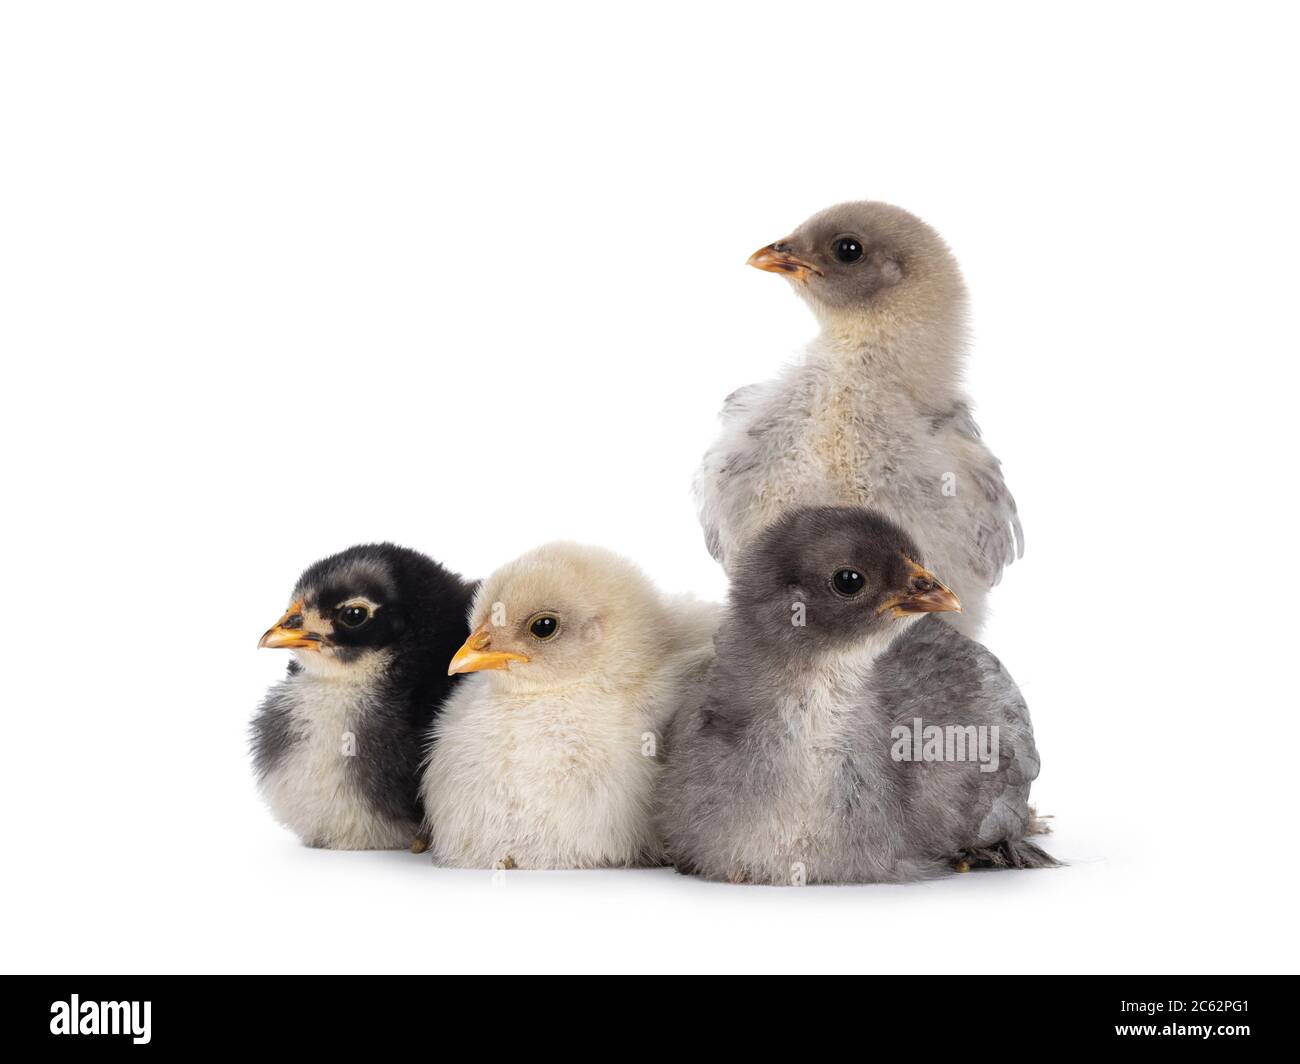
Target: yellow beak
{"points": [[924, 595], [475, 655], [288, 632], [777, 258]]}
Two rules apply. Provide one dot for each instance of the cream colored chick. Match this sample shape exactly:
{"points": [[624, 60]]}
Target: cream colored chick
{"points": [[548, 758]]}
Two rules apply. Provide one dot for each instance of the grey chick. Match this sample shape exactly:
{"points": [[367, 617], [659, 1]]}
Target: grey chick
{"points": [[824, 744], [875, 414], [338, 743]]}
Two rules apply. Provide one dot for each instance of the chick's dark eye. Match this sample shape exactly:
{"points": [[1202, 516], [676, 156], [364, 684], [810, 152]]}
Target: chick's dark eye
{"points": [[544, 627], [354, 616], [848, 581], [848, 249]]}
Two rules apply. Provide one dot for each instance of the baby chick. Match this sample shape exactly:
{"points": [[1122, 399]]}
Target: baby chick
{"points": [[338, 743], [815, 748], [875, 414], [548, 757]]}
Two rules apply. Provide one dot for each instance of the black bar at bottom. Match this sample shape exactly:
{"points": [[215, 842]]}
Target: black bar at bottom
{"points": [[1019, 1016]]}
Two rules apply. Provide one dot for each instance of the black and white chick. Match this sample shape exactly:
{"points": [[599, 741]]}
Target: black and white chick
{"points": [[338, 743], [874, 415], [842, 735]]}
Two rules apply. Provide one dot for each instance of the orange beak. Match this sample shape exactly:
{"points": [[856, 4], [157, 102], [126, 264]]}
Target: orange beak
{"points": [[477, 655], [288, 632], [778, 258], [924, 594]]}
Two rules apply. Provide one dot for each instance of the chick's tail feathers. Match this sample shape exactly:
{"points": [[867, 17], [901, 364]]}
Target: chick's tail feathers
{"points": [[1020, 853]]}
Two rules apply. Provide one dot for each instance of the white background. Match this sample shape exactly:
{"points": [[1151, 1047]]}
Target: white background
{"points": [[276, 278]]}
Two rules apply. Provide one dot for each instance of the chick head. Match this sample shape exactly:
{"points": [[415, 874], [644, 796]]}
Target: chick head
{"points": [[826, 580], [348, 609], [565, 614], [857, 258]]}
